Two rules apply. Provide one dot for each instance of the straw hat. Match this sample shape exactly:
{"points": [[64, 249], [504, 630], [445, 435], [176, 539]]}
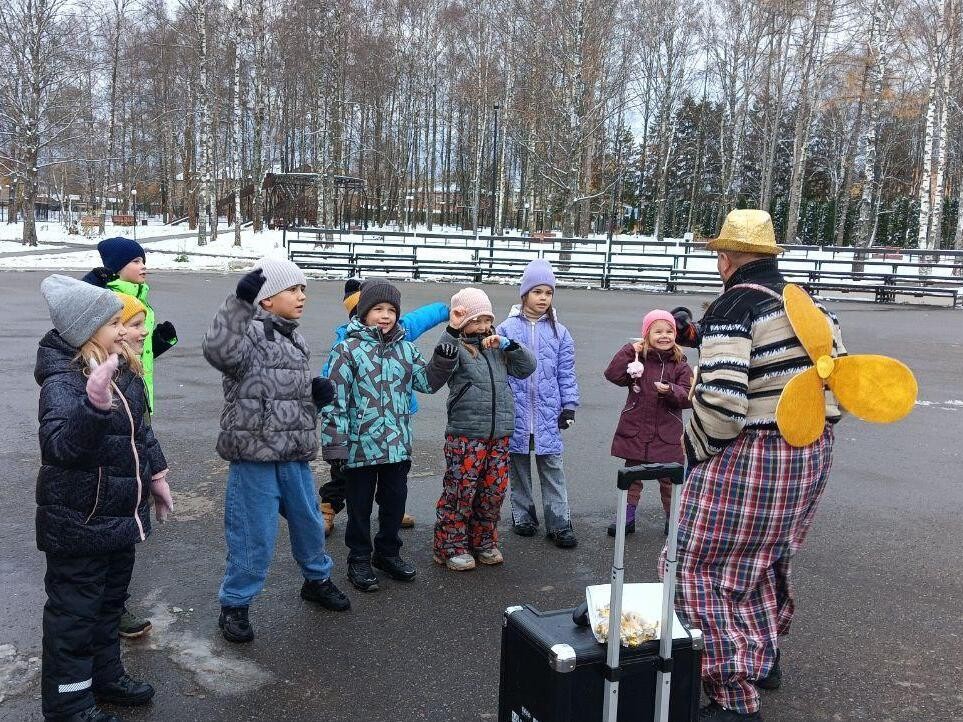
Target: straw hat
{"points": [[748, 231]]}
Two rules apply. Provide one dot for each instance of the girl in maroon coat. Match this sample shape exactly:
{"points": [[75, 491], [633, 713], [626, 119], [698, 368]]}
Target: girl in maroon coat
{"points": [[650, 428]]}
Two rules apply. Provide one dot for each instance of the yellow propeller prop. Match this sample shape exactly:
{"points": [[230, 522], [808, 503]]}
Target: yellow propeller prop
{"points": [[872, 388]]}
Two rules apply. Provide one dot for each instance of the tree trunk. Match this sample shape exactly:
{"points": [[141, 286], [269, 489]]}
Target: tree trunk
{"points": [[236, 125]]}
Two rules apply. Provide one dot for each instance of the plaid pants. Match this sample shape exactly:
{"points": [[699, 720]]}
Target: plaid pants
{"points": [[743, 515], [474, 487]]}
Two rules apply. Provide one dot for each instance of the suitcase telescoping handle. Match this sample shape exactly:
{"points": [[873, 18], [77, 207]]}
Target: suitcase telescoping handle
{"points": [[627, 477]]}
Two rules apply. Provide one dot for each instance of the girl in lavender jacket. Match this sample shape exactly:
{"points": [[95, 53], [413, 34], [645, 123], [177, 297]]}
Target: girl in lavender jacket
{"points": [[545, 404]]}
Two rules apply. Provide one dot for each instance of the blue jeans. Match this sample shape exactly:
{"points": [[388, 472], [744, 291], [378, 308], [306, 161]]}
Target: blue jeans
{"points": [[256, 493], [551, 477]]}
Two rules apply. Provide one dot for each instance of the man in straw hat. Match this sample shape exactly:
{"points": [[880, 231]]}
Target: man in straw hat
{"points": [[750, 497]]}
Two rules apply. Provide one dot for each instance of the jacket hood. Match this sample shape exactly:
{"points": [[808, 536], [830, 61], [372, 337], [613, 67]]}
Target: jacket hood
{"points": [[517, 312], [357, 329], [54, 356]]}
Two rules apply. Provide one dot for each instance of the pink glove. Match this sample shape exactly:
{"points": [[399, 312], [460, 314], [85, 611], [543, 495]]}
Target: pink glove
{"points": [[98, 383], [161, 491], [635, 369]]}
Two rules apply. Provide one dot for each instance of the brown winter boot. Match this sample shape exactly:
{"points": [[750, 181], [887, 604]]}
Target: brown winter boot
{"points": [[407, 521], [329, 513]]}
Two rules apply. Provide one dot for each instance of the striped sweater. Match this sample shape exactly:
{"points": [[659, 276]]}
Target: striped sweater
{"points": [[748, 354]]}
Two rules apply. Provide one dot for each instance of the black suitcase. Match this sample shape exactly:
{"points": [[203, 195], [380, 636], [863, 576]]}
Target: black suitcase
{"points": [[553, 671]]}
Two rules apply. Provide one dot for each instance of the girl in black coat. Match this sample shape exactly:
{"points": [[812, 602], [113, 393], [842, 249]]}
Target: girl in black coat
{"points": [[100, 463]]}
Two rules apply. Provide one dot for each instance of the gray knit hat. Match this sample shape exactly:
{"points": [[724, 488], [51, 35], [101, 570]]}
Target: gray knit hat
{"points": [[78, 309], [375, 291], [279, 274]]}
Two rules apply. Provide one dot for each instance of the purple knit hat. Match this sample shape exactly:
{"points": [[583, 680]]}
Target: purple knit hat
{"points": [[537, 273]]}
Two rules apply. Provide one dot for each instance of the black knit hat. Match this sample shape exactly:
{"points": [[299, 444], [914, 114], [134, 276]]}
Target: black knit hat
{"points": [[375, 291], [352, 287]]}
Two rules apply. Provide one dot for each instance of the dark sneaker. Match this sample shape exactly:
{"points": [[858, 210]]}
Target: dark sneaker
{"points": [[715, 712], [361, 576], [91, 714], [124, 692], [325, 594], [773, 680], [235, 626], [629, 528], [132, 626], [563, 538], [395, 567], [525, 528]]}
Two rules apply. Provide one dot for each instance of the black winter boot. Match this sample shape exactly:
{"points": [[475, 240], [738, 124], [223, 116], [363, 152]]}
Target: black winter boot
{"points": [[361, 576], [715, 712], [563, 538], [773, 680], [91, 714], [325, 594], [124, 692], [235, 626], [395, 567]]}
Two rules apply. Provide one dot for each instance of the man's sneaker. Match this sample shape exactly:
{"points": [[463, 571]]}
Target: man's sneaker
{"points": [[235, 625], [124, 692], [525, 528], [715, 712], [773, 680], [328, 512], [457, 563], [395, 567], [407, 521], [491, 556], [132, 626], [325, 594], [563, 538], [91, 714], [361, 576]]}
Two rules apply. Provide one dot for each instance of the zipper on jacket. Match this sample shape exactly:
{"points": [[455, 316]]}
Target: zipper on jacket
{"points": [[491, 376], [133, 448], [531, 385], [457, 397], [100, 471]]}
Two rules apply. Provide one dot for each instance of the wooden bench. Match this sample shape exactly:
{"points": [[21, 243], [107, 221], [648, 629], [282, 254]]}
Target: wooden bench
{"points": [[122, 219]]}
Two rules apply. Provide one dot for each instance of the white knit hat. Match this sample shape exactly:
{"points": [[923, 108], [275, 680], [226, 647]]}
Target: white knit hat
{"points": [[279, 274], [78, 309], [475, 301]]}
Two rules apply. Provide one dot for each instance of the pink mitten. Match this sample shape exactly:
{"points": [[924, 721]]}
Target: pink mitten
{"points": [[98, 383], [161, 491], [635, 369]]}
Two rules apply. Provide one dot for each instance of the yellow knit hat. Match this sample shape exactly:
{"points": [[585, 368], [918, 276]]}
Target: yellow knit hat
{"points": [[748, 231], [132, 307]]}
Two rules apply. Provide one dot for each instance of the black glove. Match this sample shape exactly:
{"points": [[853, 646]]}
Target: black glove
{"points": [[336, 465], [566, 418], [685, 330], [99, 276], [249, 285], [446, 350], [322, 391], [166, 332]]}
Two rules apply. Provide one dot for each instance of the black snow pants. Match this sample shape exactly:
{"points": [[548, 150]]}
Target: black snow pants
{"points": [[334, 492], [81, 648]]}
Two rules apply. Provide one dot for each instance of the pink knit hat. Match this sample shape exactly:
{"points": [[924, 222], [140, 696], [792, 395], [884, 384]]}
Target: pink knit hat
{"points": [[653, 316], [475, 301]]}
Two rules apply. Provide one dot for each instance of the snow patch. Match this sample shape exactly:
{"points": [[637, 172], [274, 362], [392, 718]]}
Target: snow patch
{"points": [[17, 671], [212, 668], [948, 405]]}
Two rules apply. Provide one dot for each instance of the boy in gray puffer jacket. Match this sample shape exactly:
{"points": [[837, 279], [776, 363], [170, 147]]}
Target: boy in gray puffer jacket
{"points": [[269, 434]]}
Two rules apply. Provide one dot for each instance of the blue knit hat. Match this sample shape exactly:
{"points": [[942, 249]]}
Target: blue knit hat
{"points": [[537, 273], [119, 251]]}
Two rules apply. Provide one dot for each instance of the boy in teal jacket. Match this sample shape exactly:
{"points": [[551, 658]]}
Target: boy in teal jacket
{"points": [[415, 323], [367, 433]]}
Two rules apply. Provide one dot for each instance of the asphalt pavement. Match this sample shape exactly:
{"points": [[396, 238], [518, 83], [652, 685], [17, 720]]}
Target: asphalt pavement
{"points": [[880, 586]]}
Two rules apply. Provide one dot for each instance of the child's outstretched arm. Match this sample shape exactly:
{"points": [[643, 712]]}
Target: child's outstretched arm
{"points": [[565, 373], [428, 377], [226, 345], [423, 319], [334, 425], [519, 361], [72, 429], [616, 372]]}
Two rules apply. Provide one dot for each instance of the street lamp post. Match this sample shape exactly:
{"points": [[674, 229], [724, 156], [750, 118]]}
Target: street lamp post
{"points": [[495, 168]]}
